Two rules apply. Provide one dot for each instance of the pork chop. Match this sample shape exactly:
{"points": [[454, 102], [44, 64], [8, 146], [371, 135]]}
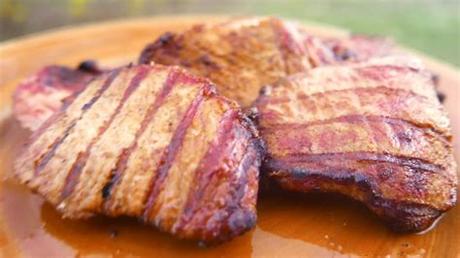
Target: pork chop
{"points": [[374, 132], [152, 142], [241, 55]]}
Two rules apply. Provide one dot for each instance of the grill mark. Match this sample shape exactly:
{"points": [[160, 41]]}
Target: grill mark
{"points": [[378, 72], [58, 114], [276, 163], [442, 136], [371, 129], [75, 171], [207, 165], [41, 163], [123, 158], [383, 87], [170, 153], [65, 104]]}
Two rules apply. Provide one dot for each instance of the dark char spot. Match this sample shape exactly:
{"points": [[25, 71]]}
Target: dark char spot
{"points": [[441, 96], [106, 189]]}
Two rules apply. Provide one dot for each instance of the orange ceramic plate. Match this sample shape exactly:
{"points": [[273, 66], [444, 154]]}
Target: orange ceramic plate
{"points": [[290, 225]]}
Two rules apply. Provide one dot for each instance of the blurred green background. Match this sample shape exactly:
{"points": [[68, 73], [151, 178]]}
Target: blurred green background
{"points": [[431, 26]]}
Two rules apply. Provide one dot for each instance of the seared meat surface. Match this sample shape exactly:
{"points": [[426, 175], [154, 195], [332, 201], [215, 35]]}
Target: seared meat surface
{"points": [[375, 132], [39, 96], [152, 142], [241, 55]]}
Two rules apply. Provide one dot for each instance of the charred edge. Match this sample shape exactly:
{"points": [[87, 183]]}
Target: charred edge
{"points": [[243, 219], [89, 66], [79, 164], [358, 119], [45, 158], [402, 216], [208, 164], [170, 153], [150, 50], [405, 216], [62, 77], [414, 163], [238, 218], [257, 141], [122, 162]]}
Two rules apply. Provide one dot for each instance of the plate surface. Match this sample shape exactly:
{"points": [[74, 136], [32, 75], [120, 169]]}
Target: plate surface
{"points": [[289, 225]]}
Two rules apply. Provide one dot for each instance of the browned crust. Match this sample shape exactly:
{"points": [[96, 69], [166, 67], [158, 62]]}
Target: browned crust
{"points": [[240, 55]]}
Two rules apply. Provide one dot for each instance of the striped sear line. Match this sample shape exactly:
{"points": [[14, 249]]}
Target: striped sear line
{"points": [[80, 162], [201, 133], [351, 134], [125, 155], [166, 161], [302, 158], [41, 163], [224, 145], [131, 191], [97, 111], [61, 124], [153, 142], [384, 102], [116, 135], [239, 177], [336, 78]]}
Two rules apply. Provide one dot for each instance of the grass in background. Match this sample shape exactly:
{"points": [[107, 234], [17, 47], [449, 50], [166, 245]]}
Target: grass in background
{"points": [[431, 26]]}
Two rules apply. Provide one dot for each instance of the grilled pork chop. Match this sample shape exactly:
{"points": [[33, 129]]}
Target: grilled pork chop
{"points": [[152, 142], [39, 96], [241, 55], [375, 132]]}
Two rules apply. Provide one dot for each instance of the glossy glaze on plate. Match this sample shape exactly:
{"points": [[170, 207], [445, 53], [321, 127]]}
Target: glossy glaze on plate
{"points": [[289, 225]]}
